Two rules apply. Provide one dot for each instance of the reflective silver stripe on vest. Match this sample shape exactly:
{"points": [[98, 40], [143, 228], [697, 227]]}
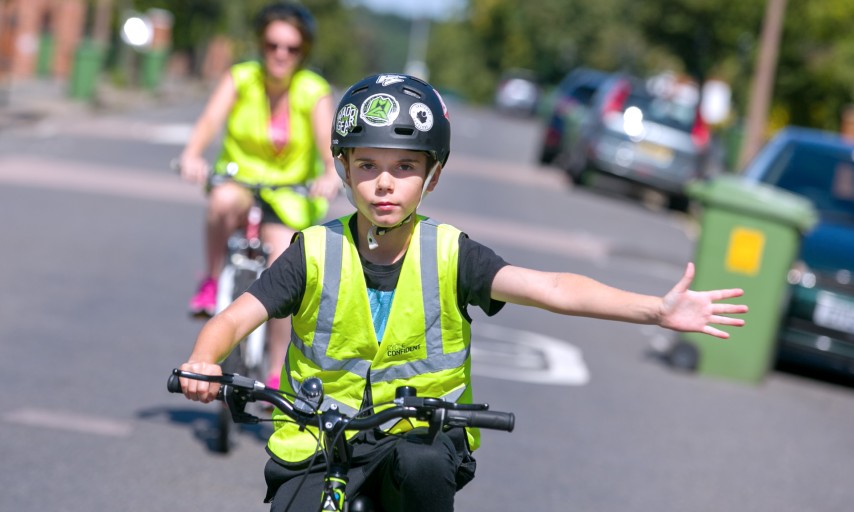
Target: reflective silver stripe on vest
{"points": [[436, 359], [326, 311]]}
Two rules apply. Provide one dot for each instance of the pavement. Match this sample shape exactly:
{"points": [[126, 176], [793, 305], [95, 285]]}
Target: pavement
{"points": [[29, 101]]}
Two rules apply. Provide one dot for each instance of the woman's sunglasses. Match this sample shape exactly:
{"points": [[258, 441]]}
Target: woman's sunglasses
{"points": [[273, 47]]}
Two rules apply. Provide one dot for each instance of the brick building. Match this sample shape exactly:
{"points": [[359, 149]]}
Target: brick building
{"points": [[40, 36]]}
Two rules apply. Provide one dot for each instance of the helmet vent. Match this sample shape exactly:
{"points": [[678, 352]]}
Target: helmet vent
{"points": [[359, 90], [404, 131], [412, 92]]}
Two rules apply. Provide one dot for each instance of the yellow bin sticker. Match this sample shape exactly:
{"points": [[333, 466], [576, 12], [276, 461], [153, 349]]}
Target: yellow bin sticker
{"points": [[744, 254]]}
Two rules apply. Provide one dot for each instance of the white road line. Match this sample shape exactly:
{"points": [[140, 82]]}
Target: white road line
{"points": [[69, 421], [526, 356]]}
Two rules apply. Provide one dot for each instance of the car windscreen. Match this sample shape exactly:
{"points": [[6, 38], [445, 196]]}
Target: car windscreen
{"points": [[584, 93], [824, 175], [664, 111]]}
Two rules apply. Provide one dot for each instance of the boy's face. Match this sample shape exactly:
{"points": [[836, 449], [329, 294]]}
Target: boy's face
{"points": [[387, 183]]}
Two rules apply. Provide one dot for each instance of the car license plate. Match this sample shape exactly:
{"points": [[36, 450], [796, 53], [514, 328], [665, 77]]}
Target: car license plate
{"points": [[656, 152], [834, 313]]}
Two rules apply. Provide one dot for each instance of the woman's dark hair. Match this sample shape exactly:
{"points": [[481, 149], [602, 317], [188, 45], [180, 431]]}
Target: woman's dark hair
{"points": [[290, 12]]}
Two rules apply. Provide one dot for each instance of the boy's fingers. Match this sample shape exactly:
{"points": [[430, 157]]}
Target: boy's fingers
{"points": [[729, 309], [726, 320], [687, 277], [717, 333]]}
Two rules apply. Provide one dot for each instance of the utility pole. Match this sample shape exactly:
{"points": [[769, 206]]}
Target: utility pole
{"points": [[762, 89], [101, 24], [416, 59]]}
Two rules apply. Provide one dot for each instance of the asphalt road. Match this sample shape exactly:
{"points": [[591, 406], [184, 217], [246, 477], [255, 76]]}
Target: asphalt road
{"points": [[102, 248]]}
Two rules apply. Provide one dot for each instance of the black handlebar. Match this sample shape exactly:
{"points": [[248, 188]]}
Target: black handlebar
{"points": [[238, 389]]}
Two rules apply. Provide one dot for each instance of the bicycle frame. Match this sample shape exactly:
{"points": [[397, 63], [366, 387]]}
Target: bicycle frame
{"points": [[246, 259]]}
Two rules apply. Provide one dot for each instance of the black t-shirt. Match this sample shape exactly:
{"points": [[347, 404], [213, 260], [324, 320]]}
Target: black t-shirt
{"points": [[280, 288]]}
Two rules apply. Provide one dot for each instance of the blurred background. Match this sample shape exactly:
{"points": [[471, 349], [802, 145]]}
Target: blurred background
{"points": [[616, 138], [463, 47]]}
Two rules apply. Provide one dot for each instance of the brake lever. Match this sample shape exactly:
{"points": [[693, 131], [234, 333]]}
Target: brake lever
{"points": [[236, 400]]}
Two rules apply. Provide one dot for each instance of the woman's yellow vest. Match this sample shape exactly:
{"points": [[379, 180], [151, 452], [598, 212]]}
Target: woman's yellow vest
{"points": [[247, 142], [426, 343]]}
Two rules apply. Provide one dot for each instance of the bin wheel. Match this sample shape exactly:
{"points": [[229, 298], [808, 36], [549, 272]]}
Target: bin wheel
{"points": [[684, 356]]}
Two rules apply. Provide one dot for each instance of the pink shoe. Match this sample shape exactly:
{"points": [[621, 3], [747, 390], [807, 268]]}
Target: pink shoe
{"points": [[203, 302], [273, 381]]}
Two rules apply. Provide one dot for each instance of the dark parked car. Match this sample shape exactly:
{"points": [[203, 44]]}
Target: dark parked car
{"points": [[818, 326], [649, 132], [567, 109]]}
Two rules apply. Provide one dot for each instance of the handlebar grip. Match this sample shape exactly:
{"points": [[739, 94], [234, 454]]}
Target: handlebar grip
{"points": [[493, 420], [174, 384]]}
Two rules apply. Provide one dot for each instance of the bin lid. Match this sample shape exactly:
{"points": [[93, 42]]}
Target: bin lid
{"points": [[756, 199]]}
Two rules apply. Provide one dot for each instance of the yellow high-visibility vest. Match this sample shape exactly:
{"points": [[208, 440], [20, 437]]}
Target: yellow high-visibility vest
{"points": [[426, 343], [247, 142]]}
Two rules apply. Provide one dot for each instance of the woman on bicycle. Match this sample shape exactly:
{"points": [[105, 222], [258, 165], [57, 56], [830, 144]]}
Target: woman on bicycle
{"points": [[379, 299], [277, 116]]}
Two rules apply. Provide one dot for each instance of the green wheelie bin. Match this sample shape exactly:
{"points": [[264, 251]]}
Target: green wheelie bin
{"points": [[88, 61], [750, 234]]}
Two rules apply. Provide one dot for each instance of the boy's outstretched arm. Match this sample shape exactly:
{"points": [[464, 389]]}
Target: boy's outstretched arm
{"points": [[572, 294]]}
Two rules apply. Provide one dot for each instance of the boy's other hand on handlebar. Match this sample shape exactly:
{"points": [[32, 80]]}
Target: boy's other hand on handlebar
{"points": [[194, 169], [197, 390]]}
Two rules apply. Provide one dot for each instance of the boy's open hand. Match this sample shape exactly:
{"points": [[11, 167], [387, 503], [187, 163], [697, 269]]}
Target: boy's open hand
{"points": [[686, 310]]}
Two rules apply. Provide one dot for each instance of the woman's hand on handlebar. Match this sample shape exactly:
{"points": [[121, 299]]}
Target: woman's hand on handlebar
{"points": [[194, 169], [326, 186], [198, 390]]}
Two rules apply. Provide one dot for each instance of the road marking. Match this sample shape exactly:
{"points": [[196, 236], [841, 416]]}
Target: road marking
{"points": [[171, 134], [69, 421], [525, 356], [92, 178]]}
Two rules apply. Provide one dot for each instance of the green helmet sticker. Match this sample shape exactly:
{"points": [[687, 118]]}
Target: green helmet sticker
{"points": [[380, 110], [345, 121]]}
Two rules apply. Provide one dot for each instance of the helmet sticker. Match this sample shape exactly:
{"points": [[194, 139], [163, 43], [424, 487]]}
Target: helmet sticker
{"points": [[422, 116], [386, 80], [345, 121], [380, 110]]}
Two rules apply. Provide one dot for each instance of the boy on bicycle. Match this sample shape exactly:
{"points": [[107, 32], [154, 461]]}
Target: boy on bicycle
{"points": [[379, 299]]}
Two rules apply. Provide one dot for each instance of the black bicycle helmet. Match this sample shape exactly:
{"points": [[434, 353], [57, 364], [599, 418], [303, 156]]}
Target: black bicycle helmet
{"points": [[392, 111]]}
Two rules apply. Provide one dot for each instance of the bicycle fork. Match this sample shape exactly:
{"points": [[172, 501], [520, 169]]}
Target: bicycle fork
{"points": [[339, 453], [334, 498]]}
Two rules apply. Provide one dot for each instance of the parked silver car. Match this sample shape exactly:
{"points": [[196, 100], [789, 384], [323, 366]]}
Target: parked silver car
{"points": [[648, 133]]}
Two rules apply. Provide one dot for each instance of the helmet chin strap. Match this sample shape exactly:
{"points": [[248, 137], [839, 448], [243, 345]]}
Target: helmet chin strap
{"points": [[374, 231]]}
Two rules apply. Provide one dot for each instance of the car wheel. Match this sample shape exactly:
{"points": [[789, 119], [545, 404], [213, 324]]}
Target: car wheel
{"points": [[576, 168], [547, 155], [678, 202]]}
